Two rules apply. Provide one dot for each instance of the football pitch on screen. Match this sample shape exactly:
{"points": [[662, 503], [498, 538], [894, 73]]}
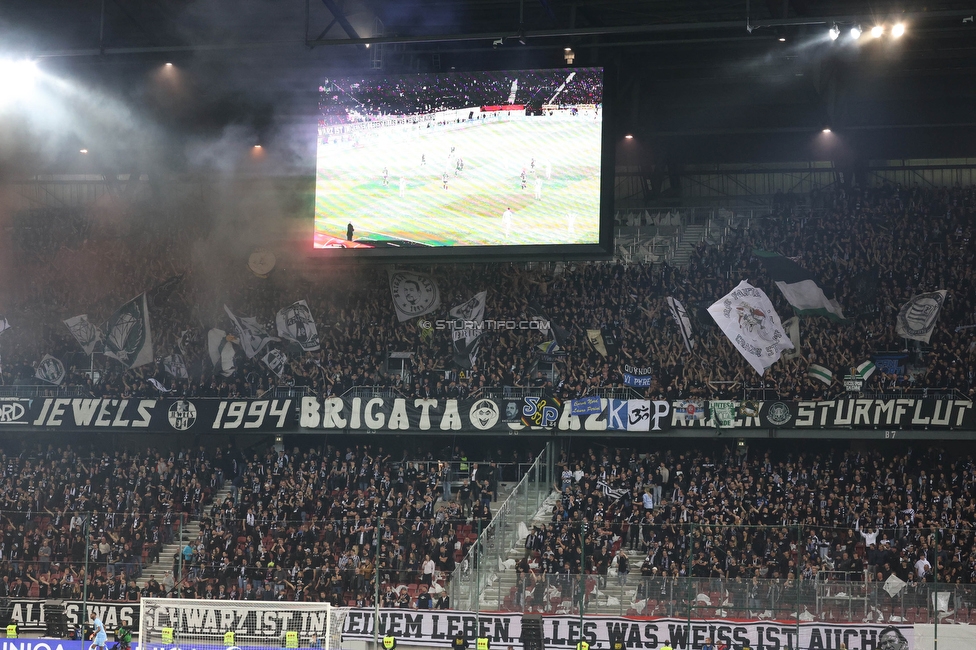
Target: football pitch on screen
{"points": [[513, 180]]}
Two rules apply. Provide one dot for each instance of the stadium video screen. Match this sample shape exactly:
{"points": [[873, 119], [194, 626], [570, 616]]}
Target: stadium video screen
{"points": [[460, 160]]}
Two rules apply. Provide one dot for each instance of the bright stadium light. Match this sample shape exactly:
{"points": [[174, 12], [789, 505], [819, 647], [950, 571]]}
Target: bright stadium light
{"points": [[877, 31], [628, 137], [898, 30], [826, 129], [16, 78], [834, 32], [856, 32]]}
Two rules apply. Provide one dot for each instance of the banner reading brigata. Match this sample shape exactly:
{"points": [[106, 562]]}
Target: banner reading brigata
{"points": [[438, 628], [496, 415]]}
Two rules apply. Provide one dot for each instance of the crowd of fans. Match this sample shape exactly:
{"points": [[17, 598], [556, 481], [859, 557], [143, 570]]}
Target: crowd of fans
{"points": [[750, 525], [304, 526], [353, 100], [62, 510], [875, 247]]}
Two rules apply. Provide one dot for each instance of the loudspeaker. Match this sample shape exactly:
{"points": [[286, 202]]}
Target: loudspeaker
{"points": [[532, 634]]}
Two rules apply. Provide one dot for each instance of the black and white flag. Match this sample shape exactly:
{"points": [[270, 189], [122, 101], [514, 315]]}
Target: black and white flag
{"points": [[127, 334], [276, 360], [748, 319], [4, 325], [295, 324], [251, 336], [87, 335], [221, 352], [50, 370], [792, 327], [917, 317], [414, 294], [159, 386], [684, 324], [175, 366], [469, 320], [613, 493]]}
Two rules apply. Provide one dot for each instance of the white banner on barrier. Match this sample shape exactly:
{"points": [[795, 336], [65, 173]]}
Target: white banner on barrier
{"points": [[439, 627]]}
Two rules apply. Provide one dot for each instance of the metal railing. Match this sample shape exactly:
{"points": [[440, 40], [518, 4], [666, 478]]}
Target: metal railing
{"points": [[45, 390], [507, 530]]}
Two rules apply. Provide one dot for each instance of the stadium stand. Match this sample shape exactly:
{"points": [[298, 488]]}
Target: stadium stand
{"points": [[854, 241]]}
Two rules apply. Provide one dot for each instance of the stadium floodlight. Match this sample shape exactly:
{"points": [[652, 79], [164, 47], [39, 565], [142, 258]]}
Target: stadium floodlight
{"points": [[16, 78], [169, 64], [782, 39], [856, 32], [877, 31], [834, 32], [628, 137], [83, 151], [826, 129], [568, 55], [898, 30]]}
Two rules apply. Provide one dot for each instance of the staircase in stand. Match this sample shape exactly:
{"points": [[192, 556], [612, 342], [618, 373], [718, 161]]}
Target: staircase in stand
{"points": [[688, 241], [169, 552]]}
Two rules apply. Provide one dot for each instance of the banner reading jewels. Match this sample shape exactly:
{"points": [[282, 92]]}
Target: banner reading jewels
{"points": [[501, 415], [438, 628]]}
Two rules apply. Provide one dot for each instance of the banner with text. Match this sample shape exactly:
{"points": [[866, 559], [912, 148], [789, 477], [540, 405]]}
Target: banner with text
{"points": [[439, 628]]}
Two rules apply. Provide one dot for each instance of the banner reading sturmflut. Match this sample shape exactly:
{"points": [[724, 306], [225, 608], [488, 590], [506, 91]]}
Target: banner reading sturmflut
{"points": [[747, 317]]}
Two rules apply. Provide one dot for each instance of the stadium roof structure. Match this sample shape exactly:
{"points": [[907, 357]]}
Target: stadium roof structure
{"points": [[698, 80]]}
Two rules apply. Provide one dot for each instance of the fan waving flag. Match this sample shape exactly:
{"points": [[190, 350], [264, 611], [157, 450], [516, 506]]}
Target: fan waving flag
{"points": [[684, 325], [50, 370], [252, 336], [414, 294], [84, 332], [917, 317], [295, 323], [799, 287], [470, 317], [747, 317], [127, 334]]}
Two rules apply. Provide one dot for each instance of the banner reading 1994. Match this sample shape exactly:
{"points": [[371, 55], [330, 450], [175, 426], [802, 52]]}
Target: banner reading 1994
{"points": [[490, 415]]}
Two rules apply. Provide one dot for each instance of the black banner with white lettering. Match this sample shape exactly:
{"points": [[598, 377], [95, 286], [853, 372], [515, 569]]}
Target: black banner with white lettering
{"points": [[29, 614], [403, 415], [148, 415]]}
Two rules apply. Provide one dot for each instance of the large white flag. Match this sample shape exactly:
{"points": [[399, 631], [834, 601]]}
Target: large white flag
{"points": [[469, 319], [87, 335], [252, 337], [50, 370], [221, 352], [684, 324], [127, 334], [414, 294], [295, 324], [4, 325], [747, 317], [917, 317]]}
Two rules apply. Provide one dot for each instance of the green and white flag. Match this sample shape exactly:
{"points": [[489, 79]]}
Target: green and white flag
{"points": [[723, 413], [127, 335], [84, 332], [819, 372], [865, 370], [50, 370], [799, 287]]}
